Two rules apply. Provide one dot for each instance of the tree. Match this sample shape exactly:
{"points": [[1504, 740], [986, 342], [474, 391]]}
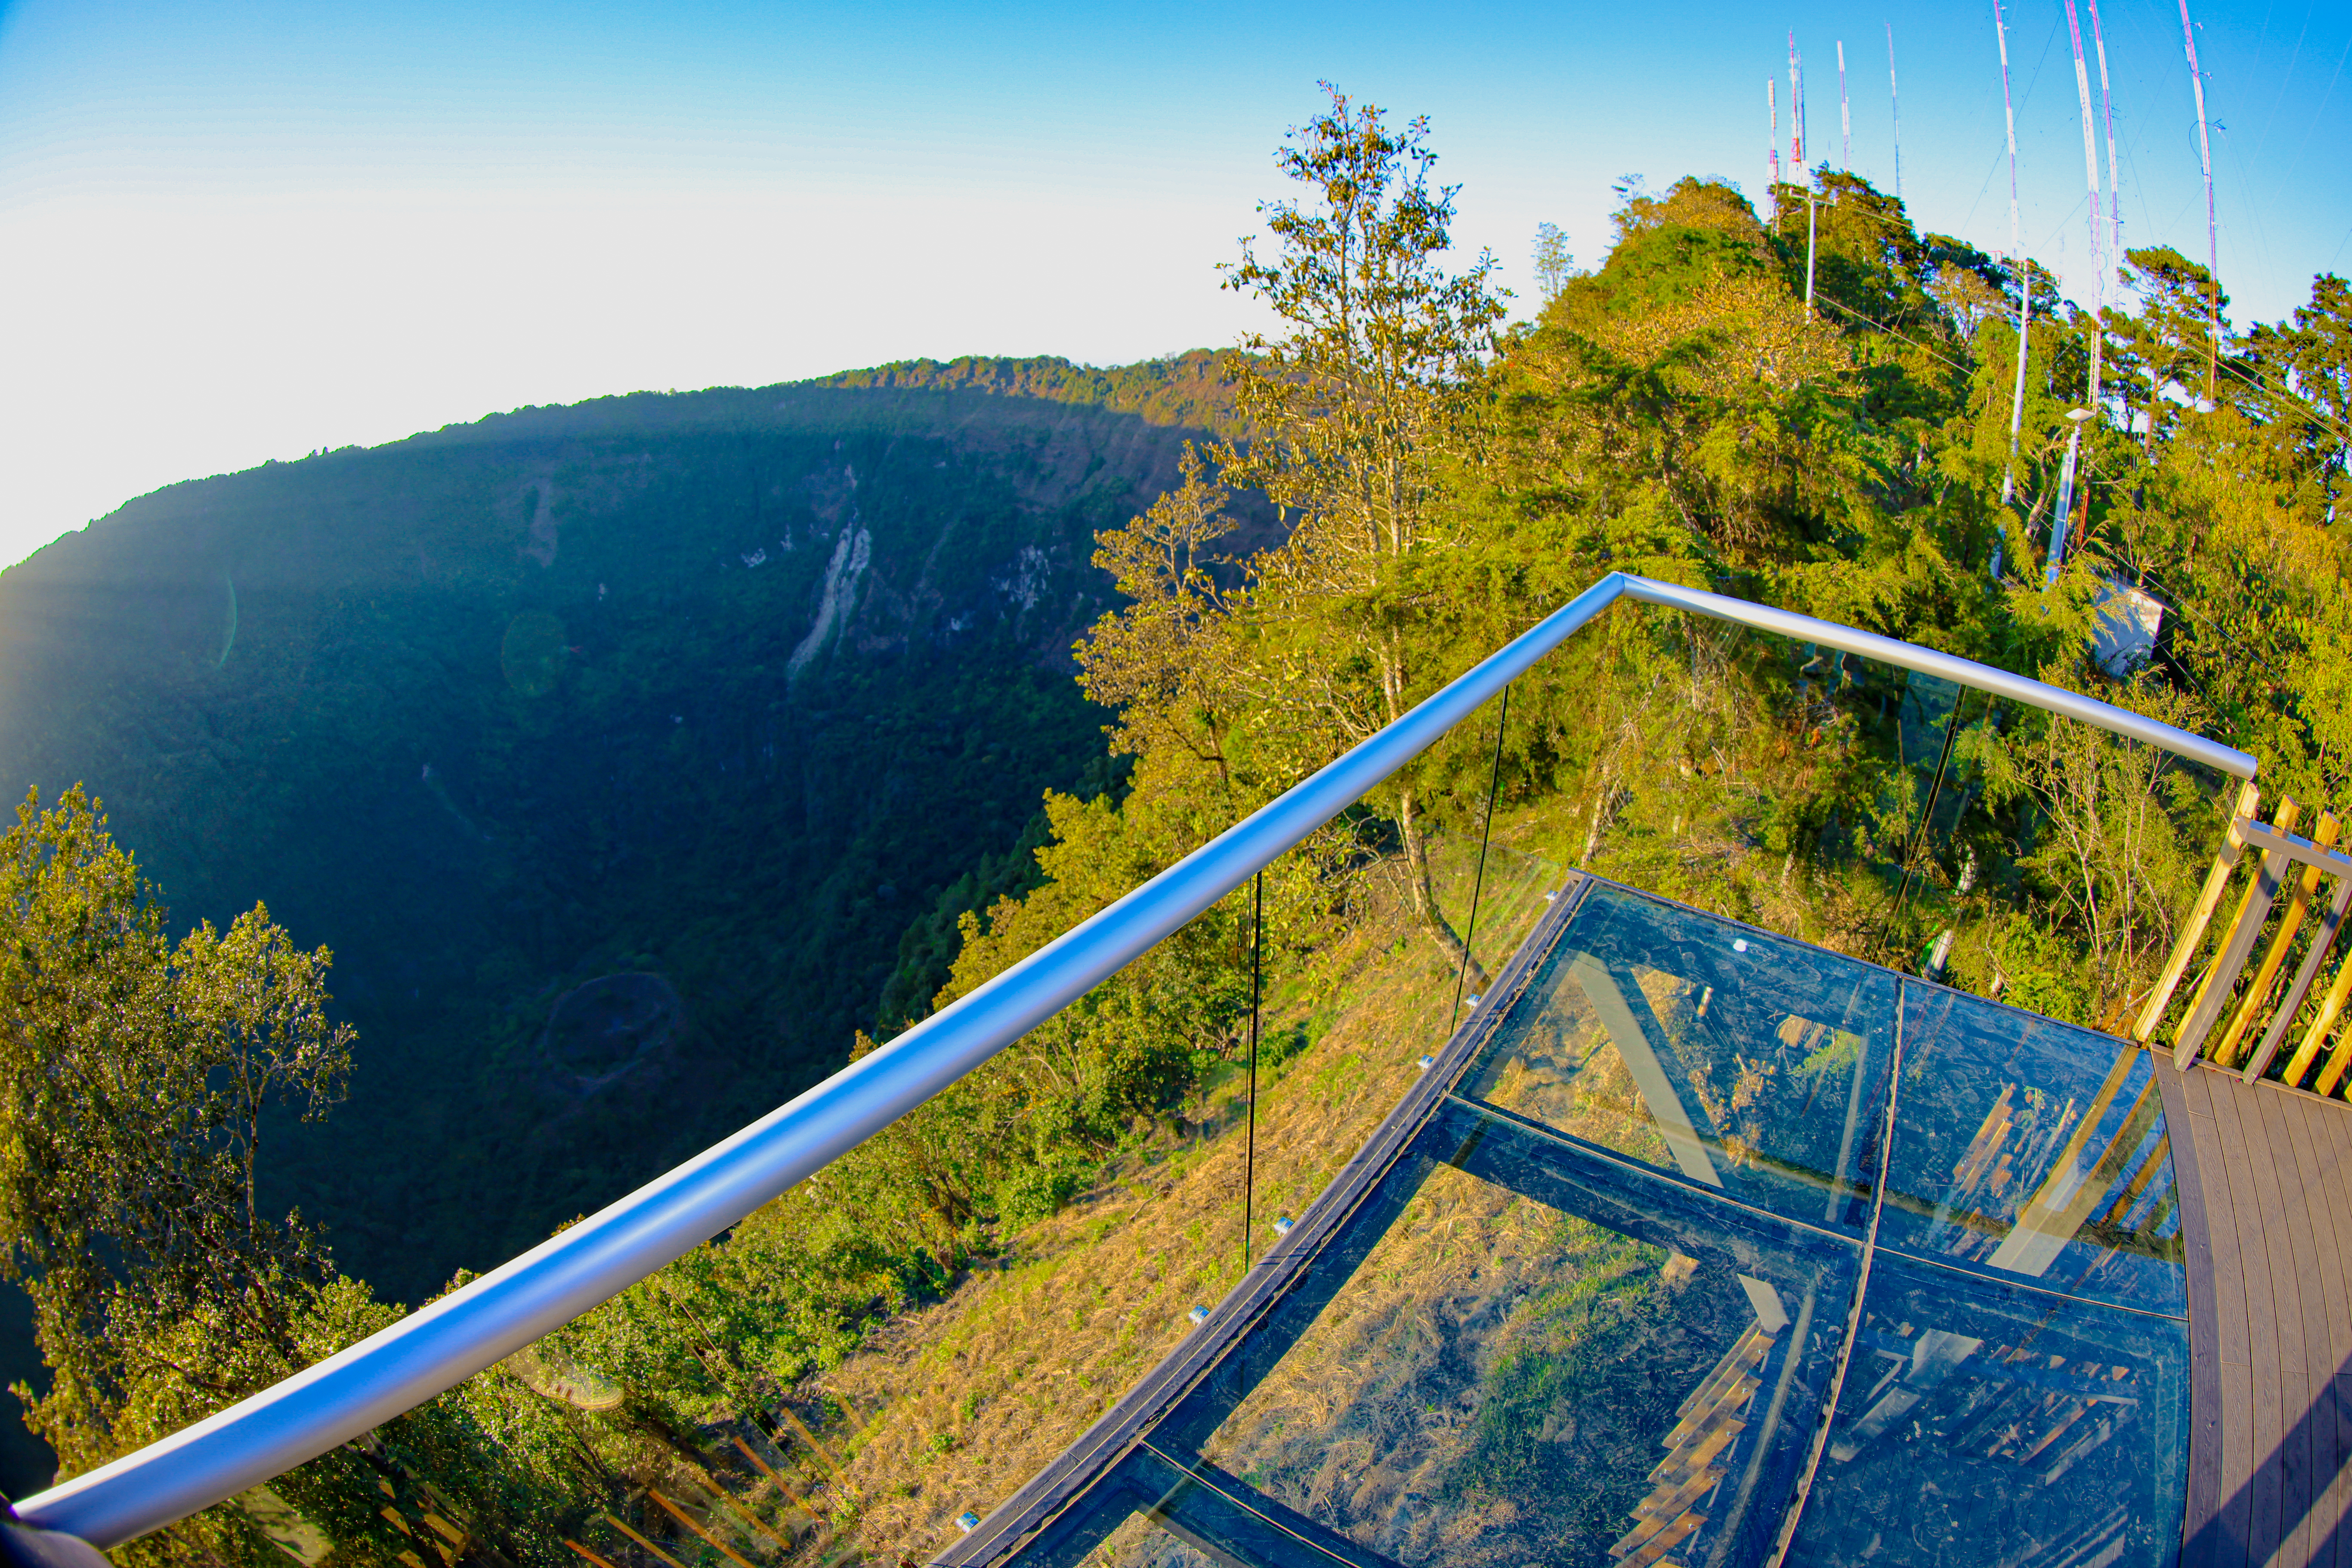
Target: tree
{"points": [[1162, 661], [2303, 371], [2174, 340], [1554, 265], [134, 1074], [1357, 408], [2107, 853], [137, 1077], [1966, 283]]}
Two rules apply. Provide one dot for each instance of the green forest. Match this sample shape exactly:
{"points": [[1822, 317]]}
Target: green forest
{"points": [[1808, 405]]}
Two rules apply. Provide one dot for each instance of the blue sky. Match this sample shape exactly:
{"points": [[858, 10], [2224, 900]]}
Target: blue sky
{"points": [[229, 233]]}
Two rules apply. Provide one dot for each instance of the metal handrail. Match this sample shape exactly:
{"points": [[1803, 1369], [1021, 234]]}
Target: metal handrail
{"points": [[444, 1343]]}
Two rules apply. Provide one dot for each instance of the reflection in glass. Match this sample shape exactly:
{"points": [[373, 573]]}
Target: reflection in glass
{"points": [[1741, 1061], [1142, 1542], [2035, 1150], [1542, 1357], [1984, 1423]]}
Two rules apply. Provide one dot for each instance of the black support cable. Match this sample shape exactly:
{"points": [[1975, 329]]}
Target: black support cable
{"points": [[1479, 882], [1249, 1144], [1914, 843]]}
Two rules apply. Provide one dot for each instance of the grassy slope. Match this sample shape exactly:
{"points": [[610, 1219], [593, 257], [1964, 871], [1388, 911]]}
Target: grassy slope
{"points": [[965, 1399]]}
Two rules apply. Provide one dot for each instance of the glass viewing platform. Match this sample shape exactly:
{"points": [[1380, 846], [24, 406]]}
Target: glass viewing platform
{"points": [[1696, 1246]]}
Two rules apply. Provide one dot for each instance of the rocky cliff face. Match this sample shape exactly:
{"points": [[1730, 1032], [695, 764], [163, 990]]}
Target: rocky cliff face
{"points": [[698, 697]]}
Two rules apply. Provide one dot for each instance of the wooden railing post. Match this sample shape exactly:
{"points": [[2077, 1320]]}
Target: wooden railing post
{"points": [[2237, 945], [2192, 932], [2323, 941], [2226, 1051]]}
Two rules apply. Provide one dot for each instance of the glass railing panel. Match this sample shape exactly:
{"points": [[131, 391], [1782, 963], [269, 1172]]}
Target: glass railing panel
{"points": [[1521, 1352], [1743, 1062], [1985, 1423], [2033, 1150]]}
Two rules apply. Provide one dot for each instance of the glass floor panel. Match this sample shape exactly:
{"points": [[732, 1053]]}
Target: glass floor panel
{"points": [[1584, 1300], [2032, 1149], [1984, 1423], [1741, 1061], [1538, 1360]]}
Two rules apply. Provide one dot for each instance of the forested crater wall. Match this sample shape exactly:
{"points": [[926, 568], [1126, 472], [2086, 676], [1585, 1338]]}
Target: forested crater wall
{"points": [[721, 690]]}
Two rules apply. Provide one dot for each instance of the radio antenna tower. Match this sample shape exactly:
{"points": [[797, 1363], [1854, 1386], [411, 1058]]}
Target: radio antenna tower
{"points": [[1772, 144], [2107, 112], [2019, 266], [2065, 513], [1796, 108], [2090, 176], [1895, 99], [2212, 230], [1845, 115]]}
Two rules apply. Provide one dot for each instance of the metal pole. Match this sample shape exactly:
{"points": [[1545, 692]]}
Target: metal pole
{"points": [[1812, 228], [2065, 507]]}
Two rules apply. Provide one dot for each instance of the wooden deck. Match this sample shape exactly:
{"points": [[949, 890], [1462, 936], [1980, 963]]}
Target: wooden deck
{"points": [[2267, 1215]]}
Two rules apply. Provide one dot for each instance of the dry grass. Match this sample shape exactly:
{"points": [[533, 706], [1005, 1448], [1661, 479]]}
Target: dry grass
{"points": [[1367, 1419], [964, 1400]]}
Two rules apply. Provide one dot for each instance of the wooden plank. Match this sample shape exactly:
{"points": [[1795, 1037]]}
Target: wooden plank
{"points": [[2334, 1150], [2307, 1234], [2294, 1270], [2329, 1011], [2227, 1227], [2200, 914], [2183, 1127], [2303, 851], [2237, 946], [2336, 1183], [2276, 1321], [2322, 942], [2339, 1494], [2237, 1468], [2282, 943], [2322, 1295], [2261, 1412], [2235, 1489], [2323, 1159]]}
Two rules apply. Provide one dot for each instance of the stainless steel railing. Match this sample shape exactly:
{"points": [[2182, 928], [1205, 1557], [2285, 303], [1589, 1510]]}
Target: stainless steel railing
{"points": [[463, 1333]]}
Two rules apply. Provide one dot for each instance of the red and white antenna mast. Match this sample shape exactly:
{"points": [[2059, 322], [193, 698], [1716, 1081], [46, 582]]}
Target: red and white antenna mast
{"points": [[2212, 229], [2091, 177], [2064, 512], [1895, 99], [2019, 266], [2204, 145], [2108, 111], [1796, 108], [1845, 115]]}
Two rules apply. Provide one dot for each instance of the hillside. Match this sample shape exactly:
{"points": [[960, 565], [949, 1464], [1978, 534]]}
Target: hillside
{"points": [[613, 748], [960, 1403]]}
